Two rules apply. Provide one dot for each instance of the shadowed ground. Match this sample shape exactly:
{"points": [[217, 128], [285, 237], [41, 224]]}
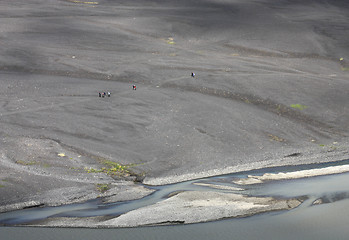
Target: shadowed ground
{"points": [[271, 88]]}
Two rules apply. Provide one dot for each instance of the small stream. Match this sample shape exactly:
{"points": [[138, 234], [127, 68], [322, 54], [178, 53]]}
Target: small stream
{"points": [[308, 221]]}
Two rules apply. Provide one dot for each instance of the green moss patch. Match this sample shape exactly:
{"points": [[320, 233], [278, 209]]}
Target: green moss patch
{"points": [[298, 106], [103, 187], [25, 163], [112, 168], [31, 163]]}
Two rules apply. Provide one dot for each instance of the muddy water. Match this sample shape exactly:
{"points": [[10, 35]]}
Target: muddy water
{"points": [[328, 220]]}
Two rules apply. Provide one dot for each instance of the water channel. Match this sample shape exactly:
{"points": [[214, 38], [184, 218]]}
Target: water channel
{"points": [[324, 221]]}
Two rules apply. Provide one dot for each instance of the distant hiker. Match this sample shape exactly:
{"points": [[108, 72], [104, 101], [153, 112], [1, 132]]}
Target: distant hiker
{"points": [[100, 94], [108, 94], [192, 74], [134, 87]]}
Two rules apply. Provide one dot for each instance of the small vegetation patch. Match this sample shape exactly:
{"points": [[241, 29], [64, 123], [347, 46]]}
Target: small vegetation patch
{"points": [[25, 163], [298, 106], [103, 187], [31, 163], [330, 148], [170, 41], [276, 138], [112, 169], [1, 186]]}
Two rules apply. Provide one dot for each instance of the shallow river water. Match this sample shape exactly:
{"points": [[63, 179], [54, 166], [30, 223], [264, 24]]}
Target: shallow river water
{"points": [[325, 221]]}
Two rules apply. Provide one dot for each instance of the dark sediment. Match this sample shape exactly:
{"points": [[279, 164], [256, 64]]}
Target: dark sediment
{"points": [[271, 88]]}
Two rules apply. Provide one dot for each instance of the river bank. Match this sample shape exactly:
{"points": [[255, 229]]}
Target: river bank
{"points": [[125, 190], [309, 221], [196, 201]]}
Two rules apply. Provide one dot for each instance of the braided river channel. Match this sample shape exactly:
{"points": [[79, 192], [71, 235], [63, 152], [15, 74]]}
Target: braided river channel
{"points": [[326, 220]]}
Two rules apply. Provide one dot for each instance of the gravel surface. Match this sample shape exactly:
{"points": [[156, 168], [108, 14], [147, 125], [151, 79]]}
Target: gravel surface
{"points": [[271, 88]]}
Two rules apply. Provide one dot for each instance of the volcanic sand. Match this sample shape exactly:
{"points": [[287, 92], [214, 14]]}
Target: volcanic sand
{"points": [[271, 88]]}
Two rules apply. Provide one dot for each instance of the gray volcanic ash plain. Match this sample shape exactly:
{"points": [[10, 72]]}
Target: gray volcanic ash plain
{"points": [[271, 88]]}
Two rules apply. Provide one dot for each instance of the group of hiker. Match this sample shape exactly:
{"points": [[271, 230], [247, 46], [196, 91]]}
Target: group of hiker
{"points": [[134, 87], [104, 94], [108, 94]]}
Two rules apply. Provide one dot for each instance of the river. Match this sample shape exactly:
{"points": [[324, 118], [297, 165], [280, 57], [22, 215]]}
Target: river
{"points": [[308, 221]]}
